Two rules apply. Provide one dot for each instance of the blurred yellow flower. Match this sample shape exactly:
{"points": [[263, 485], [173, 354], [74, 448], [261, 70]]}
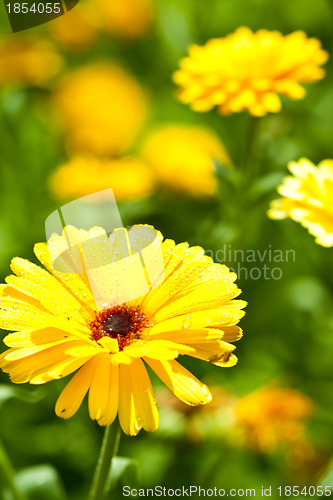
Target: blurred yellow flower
{"points": [[272, 417], [128, 177], [28, 61], [181, 156], [246, 71], [59, 330], [77, 29], [125, 18], [307, 197], [102, 107]]}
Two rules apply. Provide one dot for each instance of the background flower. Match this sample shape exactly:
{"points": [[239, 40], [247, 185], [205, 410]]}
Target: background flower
{"points": [[307, 198], [78, 29], [246, 71], [102, 107], [128, 177], [127, 19], [182, 157], [29, 61], [274, 417]]}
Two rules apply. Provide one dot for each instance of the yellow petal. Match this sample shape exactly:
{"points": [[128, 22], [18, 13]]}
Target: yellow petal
{"points": [[72, 396], [186, 275], [207, 295], [216, 352], [64, 368], [228, 314], [112, 397], [99, 387], [35, 337], [17, 315], [157, 349], [44, 288], [15, 354], [145, 402], [111, 345], [76, 284], [181, 382], [128, 418], [119, 358], [25, 369], [187, 335]]}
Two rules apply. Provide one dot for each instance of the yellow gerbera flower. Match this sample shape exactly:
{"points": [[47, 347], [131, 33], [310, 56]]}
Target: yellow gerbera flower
{"points": [[272, 417], [59, 330], [182, 157], [126, 19], [28, 61], [103, 109], [128, 177], [246, 71], [307, 197]]}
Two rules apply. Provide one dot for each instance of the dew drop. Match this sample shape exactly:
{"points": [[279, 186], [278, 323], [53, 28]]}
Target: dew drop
{"points": [[205, 390], [187, 323]]}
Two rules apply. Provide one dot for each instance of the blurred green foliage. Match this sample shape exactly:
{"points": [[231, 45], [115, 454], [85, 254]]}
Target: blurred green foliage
{"points": [[289, 322]]}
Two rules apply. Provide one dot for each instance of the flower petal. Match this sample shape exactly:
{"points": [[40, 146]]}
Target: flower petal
{"points": [[157, 349], [146, 408], [72, 395], [99, 387], [181, 382], [128, 417], [112, 397]]}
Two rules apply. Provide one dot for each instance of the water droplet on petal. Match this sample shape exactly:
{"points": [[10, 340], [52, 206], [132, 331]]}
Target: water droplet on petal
{"points": [[187, 323]]}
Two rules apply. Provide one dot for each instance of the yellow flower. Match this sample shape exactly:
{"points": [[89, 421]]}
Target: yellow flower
{"points": [[273, 417], [103, 109], [307, 197], [125, 19], [128, 177], [58, 331], [28, 61], [181, 156], [246, 71], [77, 29]]}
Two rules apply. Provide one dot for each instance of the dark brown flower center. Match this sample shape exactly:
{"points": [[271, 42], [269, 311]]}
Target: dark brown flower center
{"points": [[117, 324], [120, 322]]}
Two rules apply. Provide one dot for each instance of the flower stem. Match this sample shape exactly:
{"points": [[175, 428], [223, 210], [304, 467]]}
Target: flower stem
{"points": [[7, 473], [109, 450], [249, 161]]}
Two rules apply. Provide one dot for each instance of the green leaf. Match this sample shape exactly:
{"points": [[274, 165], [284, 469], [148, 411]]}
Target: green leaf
{"points": [[228, 181], [8, 392], [267, 184], [41, 482], [229, 176], [124, 470], [328, 478]]}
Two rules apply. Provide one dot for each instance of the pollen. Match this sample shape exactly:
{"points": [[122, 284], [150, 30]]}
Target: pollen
{"points": [[123, 323]]}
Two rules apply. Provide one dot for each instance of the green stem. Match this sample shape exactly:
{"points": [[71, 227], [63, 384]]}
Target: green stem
{"points": [[249, 172], [109, 450], [250, 163], [7, 472]]}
